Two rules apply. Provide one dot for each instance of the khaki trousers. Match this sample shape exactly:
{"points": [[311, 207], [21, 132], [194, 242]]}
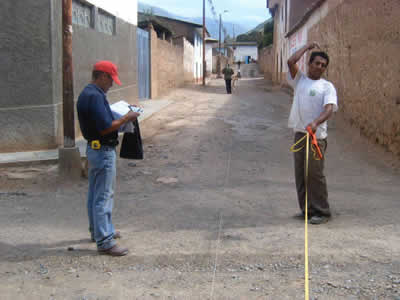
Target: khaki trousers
{"points": [[317, 189]]}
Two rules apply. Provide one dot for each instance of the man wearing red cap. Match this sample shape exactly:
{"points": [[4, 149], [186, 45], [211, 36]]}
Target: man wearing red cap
{"points": [[100, 129]]}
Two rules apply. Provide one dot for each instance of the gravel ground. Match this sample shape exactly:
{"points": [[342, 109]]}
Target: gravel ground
{"points": [[208, 213]]}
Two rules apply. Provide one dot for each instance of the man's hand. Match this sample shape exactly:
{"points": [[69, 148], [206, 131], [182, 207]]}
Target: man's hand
{"points": [[131, 116], [313, 126], [325, 115], [313, 45]]}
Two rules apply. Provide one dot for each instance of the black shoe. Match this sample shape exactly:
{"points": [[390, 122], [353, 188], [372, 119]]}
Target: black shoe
{"points": [[317, 220]]}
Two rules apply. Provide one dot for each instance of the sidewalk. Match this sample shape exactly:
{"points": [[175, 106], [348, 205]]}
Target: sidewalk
{"points": [[50, 156]]}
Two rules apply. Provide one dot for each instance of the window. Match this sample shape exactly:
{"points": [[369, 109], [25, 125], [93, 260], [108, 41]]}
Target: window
{"points": [[105, 23], [82, 14]]}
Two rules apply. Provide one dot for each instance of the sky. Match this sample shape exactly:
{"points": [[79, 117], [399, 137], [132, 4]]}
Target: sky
{"points": [[248, 12], [124, 9]]}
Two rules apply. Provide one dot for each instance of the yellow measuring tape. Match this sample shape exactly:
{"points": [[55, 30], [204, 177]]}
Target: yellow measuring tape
{"points": [[294, 149]]}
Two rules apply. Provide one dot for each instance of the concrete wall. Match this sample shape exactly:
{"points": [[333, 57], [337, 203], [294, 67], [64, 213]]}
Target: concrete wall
{"points": [[266, 61], [167, 66], [30, 98], [363, 41]]}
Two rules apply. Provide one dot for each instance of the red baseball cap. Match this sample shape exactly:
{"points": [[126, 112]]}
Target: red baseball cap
{"points": [[109, 68]]}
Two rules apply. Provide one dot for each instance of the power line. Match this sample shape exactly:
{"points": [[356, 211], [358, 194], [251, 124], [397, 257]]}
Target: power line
{"points": [[215, 15]]}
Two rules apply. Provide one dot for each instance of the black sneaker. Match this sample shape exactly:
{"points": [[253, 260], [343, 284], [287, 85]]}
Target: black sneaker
{"points": [[317, 220]]}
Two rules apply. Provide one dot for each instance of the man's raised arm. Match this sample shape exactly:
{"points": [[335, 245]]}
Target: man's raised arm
{"points": [[293, 68]]}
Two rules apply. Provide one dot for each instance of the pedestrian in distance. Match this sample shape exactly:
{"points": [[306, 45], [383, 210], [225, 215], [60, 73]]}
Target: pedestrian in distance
{"points": [[314, 102], [228, 72], [100, 129]]}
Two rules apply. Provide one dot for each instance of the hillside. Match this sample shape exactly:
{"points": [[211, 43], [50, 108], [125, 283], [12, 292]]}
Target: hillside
{"points": [[262, 34], [260, 27]]}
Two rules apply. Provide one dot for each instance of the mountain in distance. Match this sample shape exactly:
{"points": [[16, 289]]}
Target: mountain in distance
{"points": [[143, 7], [232, 29], [260, 27]]}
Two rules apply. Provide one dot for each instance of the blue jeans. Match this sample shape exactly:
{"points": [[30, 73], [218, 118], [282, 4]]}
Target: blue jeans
{"points": [[102, 172]]}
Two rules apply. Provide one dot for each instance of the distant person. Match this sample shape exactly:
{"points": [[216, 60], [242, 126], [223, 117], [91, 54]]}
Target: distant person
{"points": [[228, 72], [314, 102], [101, 131], [238, 72]]}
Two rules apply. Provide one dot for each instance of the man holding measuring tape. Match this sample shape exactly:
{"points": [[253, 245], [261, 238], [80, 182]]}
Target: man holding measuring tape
{"points": [[314, 102]]}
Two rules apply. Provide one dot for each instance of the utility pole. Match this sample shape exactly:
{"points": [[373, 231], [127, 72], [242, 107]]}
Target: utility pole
{"points": [[68, 89], [219, 47], [204, 42], [69, 157], [219, 51]]}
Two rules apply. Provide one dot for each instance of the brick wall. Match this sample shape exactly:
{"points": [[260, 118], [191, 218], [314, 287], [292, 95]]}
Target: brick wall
{"points": [[167, 71], [266, 61], [362, 38]]}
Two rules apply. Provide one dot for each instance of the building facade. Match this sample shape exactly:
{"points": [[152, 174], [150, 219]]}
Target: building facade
{"points": [[362, 39]]}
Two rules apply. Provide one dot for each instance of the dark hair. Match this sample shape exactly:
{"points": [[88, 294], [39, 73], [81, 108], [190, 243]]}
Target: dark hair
{"points": [[97, 74], [321, 54]]}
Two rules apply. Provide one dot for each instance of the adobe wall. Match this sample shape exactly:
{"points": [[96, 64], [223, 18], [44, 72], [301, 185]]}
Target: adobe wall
{"points": [[362, 38], [167, 66], [266, 61]]}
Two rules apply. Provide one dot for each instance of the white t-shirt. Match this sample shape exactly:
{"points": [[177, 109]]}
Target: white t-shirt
{"points": [[310, 97]]}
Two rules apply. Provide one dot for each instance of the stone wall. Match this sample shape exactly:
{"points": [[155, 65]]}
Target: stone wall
{"points": [[362, 38], [167, 66], [266, 61]]}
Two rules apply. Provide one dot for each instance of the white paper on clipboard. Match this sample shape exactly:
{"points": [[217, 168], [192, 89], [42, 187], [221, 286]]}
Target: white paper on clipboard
{"points": [[120, 109]]}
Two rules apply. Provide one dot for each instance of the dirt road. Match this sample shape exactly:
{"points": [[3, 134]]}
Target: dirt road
{"points": [[208, 213]]}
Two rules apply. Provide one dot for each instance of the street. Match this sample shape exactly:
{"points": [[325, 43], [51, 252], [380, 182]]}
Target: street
{"points": [[208, 214]]}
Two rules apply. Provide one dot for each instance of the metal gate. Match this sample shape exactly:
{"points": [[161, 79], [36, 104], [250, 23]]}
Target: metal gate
{"points": [[143, 63]]}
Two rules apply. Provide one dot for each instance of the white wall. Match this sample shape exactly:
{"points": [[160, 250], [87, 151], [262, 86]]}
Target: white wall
{"points": [[241, 52], [209, 57], [188, 58], [126, 10], [198, 56]]}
